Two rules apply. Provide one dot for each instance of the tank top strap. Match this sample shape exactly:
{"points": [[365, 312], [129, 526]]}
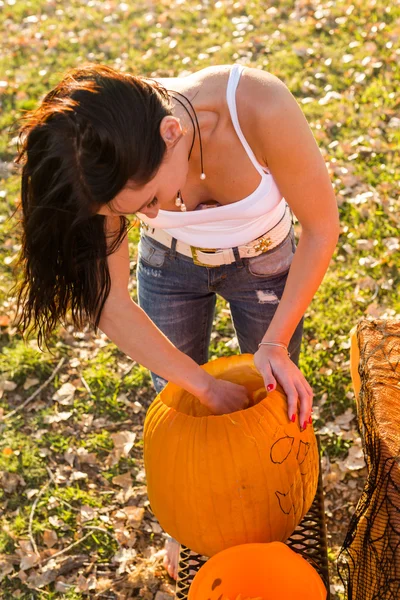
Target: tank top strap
{"points": [[234, 76]]}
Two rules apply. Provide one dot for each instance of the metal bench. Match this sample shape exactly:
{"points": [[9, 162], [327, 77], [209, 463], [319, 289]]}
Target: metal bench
{"points": [[308, 539]]}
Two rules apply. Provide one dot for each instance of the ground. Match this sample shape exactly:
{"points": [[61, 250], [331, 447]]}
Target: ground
{"points": [[74, 515]]}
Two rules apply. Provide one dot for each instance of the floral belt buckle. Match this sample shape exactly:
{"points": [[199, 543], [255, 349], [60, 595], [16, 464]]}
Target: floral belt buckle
{"points": [[263, 244]]}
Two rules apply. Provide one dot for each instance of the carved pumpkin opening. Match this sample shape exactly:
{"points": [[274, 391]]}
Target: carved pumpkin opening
{"points": [[246, 375]]}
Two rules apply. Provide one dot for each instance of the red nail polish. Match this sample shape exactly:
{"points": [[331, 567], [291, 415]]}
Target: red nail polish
{"points": [[305, 425], [270, 387], [293, 418], [310, 420]]}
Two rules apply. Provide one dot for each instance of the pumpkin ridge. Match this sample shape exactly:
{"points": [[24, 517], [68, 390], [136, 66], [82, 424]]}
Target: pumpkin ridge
{"points": [[258, 425], [237, 479], [262, 431], [192, 459]]}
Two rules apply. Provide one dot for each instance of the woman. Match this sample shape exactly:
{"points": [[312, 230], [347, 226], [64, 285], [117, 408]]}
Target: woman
{"points": [[213, 166]]}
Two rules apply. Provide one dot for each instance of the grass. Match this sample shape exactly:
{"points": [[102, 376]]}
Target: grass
{"points": [[341, 63]]}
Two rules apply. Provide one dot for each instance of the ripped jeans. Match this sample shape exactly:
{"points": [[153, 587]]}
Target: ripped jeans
{"points": [[179, 296]]}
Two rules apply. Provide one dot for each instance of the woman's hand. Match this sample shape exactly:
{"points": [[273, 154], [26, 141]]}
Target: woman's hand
{"points": [[223, 397], [275, 366]]}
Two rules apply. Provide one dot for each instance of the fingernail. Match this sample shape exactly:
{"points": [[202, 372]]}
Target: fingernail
{"points": [[310, 420], [304, 425], [270, 387], [293, 418]]}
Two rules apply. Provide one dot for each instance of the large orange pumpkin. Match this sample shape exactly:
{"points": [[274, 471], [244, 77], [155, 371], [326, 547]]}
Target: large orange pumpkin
{"points": [[216, 481], [257, 572]]}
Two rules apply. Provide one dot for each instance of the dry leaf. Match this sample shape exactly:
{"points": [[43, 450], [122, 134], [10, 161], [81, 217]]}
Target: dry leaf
{"points": [[69, 456], [8, 386], [28, 561], [124, 480], [86, 457], [134, 514], [10, 481], [141, 476], [78, 476], [56, 521], [123, 557], [5, 567], [123, 443], [31, 492], [355, 459], [56, 418], [50, 538], [345, 418], [156, 527], [87, 513], [163, 596], [30, 381], [65, 394]]}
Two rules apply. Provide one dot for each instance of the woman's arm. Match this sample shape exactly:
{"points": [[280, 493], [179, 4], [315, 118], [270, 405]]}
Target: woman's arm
{"points": [[295, 161], [128, 326]]}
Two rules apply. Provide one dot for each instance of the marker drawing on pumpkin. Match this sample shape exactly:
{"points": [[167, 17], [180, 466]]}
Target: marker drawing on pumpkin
{"points": [[282, 446], [285, 504], [304, 448]]}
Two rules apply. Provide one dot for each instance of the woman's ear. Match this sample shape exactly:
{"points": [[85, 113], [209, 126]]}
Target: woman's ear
{"points": [[170, 130]]}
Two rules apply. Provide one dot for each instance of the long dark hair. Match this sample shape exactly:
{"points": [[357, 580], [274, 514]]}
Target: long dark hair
{"points": [[97, 129]]}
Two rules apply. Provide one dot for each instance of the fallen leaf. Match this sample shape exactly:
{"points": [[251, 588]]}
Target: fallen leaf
{"points": [[8, 386], [123, 557], [10, 481], [345, 418], [135, 515], [123, 442], [65, 394], [78, 476], [87, 513], [50, 538], [56, 521], [30, 381], [124, 480], [355, 459], [56, 418], [6, 567]]}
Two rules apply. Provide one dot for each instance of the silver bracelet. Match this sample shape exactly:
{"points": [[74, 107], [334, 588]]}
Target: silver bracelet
{"points": [[275, 344]]}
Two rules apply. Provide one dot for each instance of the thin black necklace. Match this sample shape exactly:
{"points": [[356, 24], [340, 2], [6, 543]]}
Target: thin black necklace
{"points": [[202, 176], [179, 199]]}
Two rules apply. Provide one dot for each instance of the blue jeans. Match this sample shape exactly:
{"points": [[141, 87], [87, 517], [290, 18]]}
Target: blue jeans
{"points": [[179, 296]]}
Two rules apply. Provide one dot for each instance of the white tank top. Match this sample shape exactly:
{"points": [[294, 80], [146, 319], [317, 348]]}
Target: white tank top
{"points": [[233, 224]]}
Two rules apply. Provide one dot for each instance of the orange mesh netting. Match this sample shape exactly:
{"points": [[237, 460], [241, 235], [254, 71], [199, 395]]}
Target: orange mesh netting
{"points": [[369, 561]]}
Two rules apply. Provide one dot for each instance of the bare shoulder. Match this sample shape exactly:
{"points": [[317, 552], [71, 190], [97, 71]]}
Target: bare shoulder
{"points": [[261, 94], [264, 103], [259, 81]]}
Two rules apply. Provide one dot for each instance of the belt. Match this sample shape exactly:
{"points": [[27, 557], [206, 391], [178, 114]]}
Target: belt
{"points": [[214, 257]]}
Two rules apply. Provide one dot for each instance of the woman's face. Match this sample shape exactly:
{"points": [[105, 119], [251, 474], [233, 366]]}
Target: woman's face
{"points": [[162, 190]]}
